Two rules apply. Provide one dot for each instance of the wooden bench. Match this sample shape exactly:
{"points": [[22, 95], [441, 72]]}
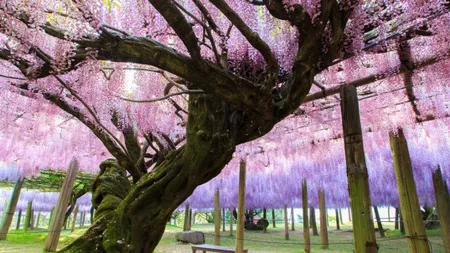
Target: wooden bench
{"points": [[213, 248]]}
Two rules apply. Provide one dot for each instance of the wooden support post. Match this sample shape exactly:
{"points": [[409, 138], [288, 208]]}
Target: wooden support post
{"points": [[292, 219], [286, 224], [8, 210], [223, 220], [241, 209], [312, 213], [75, 213], [190, 219], [338, 222], [91, 214], [186, 217], [32, 220], [379, 224], [340, 216], [273, 219], [37, 220], [443, 206], [18, 219], [27, 221], [231, 221], [349, 214], [397, 218], [389, 214], [58, 215], [357, 175], [265, 217], [4, 211], [400, 221], [80, 224], [216, 218], [306, 237], [409, 203], [323, 220]]}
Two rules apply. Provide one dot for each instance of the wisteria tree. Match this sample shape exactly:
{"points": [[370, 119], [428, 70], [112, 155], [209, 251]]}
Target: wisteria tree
{"points": [[170, 88]]}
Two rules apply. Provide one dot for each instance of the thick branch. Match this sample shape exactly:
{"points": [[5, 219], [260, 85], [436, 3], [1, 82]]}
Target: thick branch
{"points": [[253, 38], [179, 24]]}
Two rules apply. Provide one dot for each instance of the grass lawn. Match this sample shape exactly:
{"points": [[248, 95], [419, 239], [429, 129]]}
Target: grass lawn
{"points": [[271, 242]]}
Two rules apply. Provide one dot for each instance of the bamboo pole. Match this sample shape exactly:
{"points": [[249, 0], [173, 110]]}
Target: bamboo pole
{"points": [[216, 218], [58, 215], [10, 209], [273, 218], [338, 225], [241, 209], [37, 220], [27, 220], [75, 213], [286, 224], [292, 219], [231, 221], [409, 203], [306, 237], [312, 213], [223, 220], [357, 175], [18, 219], [323, 222], [379, 224], [443, 206], [186, 217]]}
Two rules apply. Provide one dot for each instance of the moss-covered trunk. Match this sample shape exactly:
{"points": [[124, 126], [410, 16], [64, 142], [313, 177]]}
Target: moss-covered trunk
{"points": [[133, 218]]}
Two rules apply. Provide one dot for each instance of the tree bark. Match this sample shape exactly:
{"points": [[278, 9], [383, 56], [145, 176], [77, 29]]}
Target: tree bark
{"points": [[409, 202], [9, 210], [186, 218], [292, 219], [231, 220], [443, 206], [223, 220], [312, 213], [397, 218], [265, 217], [19, 216], [340, 216], [37, 220]]}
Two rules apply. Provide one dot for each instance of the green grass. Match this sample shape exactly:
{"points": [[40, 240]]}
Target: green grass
{"points": [[256, 241]]}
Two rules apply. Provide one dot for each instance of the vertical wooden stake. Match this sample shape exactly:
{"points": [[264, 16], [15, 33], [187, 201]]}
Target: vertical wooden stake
{"points": [[186, 218], [312, 213], [18, 219], [241, 209], [357, 175], [379, 224], [292, 219], [32, 220], [443, 206], [409, 203], [340, 216], [265, 217], [216, 218], [10, 209], [273, 219], [37, 220], [58, 215], [397, 218], [286, 224], [75, 213], [338, 222], [190, 219], [389, 214], [349, 214], [223, 220], [323, 220], [306, 237], [28, 214], [231, 220]]}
